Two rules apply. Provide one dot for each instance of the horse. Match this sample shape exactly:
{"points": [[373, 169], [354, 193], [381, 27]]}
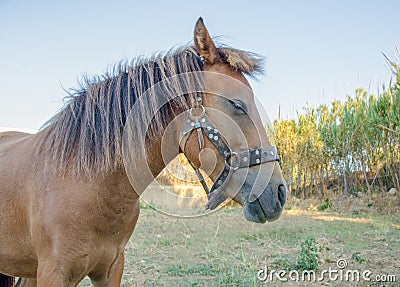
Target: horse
{"points": [[69, 202]]}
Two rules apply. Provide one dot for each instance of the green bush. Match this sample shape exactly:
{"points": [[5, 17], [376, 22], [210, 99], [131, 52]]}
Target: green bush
{"points": [[349, 145], [308, 257]]}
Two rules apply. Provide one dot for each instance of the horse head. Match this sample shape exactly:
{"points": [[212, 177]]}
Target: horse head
{"points": [[231, 143]]}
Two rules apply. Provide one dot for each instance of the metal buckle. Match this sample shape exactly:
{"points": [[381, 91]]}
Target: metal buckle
{"points": [[229, 158], [192, 116]]}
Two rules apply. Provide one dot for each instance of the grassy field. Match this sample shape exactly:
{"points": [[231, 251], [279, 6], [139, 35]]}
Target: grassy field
{"points": [[223, 249]]}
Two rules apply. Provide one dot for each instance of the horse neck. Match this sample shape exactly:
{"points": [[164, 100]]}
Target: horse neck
{"points": [[158, 152], [161, 151]]}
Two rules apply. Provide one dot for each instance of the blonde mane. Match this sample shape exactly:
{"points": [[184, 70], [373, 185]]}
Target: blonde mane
{"points": [[87, 132]]}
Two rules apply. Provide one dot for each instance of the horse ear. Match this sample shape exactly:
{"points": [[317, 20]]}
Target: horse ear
{"points": [[204, 44]]}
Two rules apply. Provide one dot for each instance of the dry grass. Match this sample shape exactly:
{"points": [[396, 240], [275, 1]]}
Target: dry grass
{"points": [[222, 249]]}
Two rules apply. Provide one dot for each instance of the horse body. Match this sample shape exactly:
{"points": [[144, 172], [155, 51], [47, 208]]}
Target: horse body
{"points": [[15, 217], [79, 223]]}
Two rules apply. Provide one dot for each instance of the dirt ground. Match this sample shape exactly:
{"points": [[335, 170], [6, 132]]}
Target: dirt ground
{"points": [[223, 249]]}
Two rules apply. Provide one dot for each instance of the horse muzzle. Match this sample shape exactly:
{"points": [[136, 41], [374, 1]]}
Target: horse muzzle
{"points": [[267, 206]]}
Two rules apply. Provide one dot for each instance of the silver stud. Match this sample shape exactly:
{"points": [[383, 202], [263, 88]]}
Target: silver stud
{"points": [[257, 151], [225, 153], [192, 124], [203, 120], [215, 131], [258, 161], [199, 99], [245, 158], [215, 137], [219, 182], [271, 152], [210, 136], [208, 128]]}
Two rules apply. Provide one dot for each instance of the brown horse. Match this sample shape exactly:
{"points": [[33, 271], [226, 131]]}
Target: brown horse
{"points": [[68, 200]]}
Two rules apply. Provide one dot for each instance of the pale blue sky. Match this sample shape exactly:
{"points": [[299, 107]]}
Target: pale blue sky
{"points": [[316, 51]]}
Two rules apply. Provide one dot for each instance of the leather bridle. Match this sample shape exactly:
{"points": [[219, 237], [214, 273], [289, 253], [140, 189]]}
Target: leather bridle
{"points": [[233, 160]]}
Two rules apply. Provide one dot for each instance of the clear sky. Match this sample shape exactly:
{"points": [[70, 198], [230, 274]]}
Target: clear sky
{"points": [[316, 51]]}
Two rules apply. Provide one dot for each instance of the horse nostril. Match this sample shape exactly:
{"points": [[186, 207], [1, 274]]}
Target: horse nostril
{"points": [[282, 194]]}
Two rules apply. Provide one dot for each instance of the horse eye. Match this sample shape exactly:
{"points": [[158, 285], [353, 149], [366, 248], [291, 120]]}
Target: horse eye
{"points": [[239, 106]]}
